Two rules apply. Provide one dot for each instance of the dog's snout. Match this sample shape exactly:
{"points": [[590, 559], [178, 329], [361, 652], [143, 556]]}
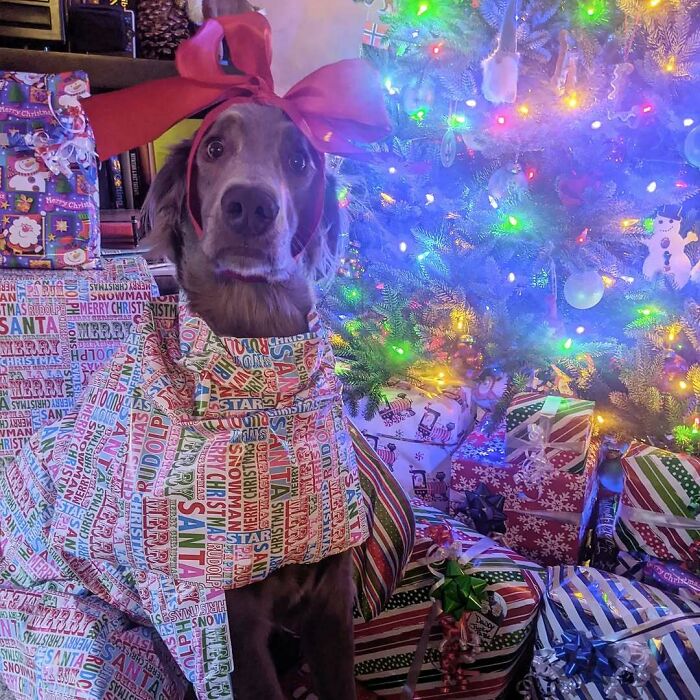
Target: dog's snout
{"points": [[250, 209]]}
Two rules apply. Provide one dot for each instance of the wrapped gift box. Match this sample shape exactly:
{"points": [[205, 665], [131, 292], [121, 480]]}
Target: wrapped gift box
{"points": [[547, 512], [56, 329], [561, 427], [415, 433], [49, 201], [385, 648], [604, 636], [660, 504]]}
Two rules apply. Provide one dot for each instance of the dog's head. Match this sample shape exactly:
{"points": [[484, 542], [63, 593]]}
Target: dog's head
{"points": [[256, 184]]}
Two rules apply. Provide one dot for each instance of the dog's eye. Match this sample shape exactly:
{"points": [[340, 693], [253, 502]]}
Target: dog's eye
{"points": [[215, 149], [297, 162]]}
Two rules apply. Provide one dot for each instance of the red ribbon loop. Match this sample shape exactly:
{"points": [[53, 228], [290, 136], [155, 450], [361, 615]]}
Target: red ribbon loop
{"points": [[335, 106]]}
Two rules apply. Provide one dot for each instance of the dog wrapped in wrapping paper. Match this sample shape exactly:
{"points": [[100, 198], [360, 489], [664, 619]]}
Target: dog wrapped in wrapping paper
{"points": [[177, 476]]}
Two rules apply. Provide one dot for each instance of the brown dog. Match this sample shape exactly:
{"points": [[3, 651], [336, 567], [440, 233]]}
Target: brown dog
{"points": [[255, 180]]}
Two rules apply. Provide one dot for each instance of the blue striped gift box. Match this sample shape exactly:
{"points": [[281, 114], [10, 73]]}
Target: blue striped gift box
{"points": [[622, 614]]}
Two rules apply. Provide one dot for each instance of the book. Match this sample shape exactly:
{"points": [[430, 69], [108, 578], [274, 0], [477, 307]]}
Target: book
{"points": [[125, 167], [172, 137], [135, 172], [116, 183], [147, 161], [104, 188]]}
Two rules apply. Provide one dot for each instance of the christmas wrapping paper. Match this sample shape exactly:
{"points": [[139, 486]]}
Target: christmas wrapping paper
{"points": [[660, 504], [385, 648], [604, 636], [546, 518], [177, 475], [49, 202], [56, 329], [557, 428], [415, 432], [674, 578]]}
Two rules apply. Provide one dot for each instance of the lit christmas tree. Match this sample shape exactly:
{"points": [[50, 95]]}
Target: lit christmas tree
{"points": [[536, 212]]}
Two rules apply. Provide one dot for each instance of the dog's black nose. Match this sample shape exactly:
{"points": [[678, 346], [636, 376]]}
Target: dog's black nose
{"points": [[249, 209]]}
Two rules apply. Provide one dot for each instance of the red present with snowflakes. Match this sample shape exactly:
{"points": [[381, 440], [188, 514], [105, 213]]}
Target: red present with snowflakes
{"points": [[496, 635], [547, 510], [561, 427], [415, 432]]}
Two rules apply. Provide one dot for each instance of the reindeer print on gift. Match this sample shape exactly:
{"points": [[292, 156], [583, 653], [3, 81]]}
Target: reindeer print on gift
{"points": [[666, 246]]}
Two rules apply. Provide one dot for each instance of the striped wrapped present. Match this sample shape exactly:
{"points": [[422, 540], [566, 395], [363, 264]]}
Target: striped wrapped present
{"points": [[557, 428], [660, 504], [386, 648], [603, 636]]}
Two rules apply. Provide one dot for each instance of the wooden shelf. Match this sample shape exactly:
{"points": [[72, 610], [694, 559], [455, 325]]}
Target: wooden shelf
{"points": [[106, 72]]}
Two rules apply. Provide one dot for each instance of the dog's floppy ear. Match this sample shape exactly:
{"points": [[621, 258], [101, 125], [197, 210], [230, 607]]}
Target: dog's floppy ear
{"points": [[164, 212], [323, 252]]}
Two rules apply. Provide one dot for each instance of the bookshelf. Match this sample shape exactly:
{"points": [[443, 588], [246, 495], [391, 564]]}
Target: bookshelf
{"points": [[106, 72]]}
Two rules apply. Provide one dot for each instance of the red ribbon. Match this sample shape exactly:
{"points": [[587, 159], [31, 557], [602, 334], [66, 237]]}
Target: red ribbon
{"points": [[334, 107]]}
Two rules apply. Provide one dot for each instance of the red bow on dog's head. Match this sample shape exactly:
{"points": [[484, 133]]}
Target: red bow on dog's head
{"points": [[335, 107]]}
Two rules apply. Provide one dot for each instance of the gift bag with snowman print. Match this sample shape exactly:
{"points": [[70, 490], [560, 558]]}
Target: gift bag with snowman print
{"points": [[415, 432], [49, 202]]}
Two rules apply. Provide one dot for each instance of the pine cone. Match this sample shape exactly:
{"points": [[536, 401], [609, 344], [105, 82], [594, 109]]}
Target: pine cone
{"points": [[160, 27]]}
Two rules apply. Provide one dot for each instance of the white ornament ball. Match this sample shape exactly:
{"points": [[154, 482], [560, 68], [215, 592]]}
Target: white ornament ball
{"points": [[583, 290], [692, 147]]}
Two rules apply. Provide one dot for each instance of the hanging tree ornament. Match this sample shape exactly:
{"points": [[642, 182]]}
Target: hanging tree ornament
{"points": [[508, 181], [666, 246], [448, 149], [583, 290], [566, 71], [500, 69]]}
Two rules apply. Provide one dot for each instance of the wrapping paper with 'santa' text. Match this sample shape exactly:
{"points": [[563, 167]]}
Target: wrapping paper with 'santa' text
{"points": [[56, 330]]}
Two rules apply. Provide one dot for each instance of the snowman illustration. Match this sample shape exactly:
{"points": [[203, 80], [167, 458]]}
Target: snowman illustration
{"points": [[72, 92], [29, 176], [667, 248], [30, 79]]}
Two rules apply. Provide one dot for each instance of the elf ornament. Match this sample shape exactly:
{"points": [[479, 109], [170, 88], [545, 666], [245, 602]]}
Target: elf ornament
{"points": [[666, 246], [500, 69]]}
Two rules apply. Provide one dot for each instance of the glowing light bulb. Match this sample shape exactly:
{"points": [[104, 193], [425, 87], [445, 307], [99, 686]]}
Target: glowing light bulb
{"points": [[670, 65], [568, 343], [397, 349], [512, 220], [688, 122], [683, 385], [524, 110], [392, 170], [654, 3], [531, 172], [423, 256], [423, 8], [607, 281], [647, 108], [646, 312], [580, 329], [403, 246], [493, 202], [627, 278], [572, 101], [429, 198], [470, 103], [501, 119], [626, 223], [651, 187], [600, 419], [387, 198], [596, 124], [511, 276], [590, 11]]}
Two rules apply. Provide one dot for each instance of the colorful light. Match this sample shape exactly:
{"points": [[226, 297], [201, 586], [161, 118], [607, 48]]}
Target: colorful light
{"points": [[513, 221], [683, 385], [429, 198], [436, 49], [592, 12], [418, 115], [470, 103], [580, 329], [422, 8], [524, 110], [688, 122], [531, 172], [493, 202], [596, 124], [387, 199], [455, 121], [647, 108], [572, 100], [403, 246], [670, 65], [511, 276], [500, 119], [654, 3], [600, 419], [392, 170], [583, 236], [651, 187], [607, 281], [626, 223], [568, 343]]}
